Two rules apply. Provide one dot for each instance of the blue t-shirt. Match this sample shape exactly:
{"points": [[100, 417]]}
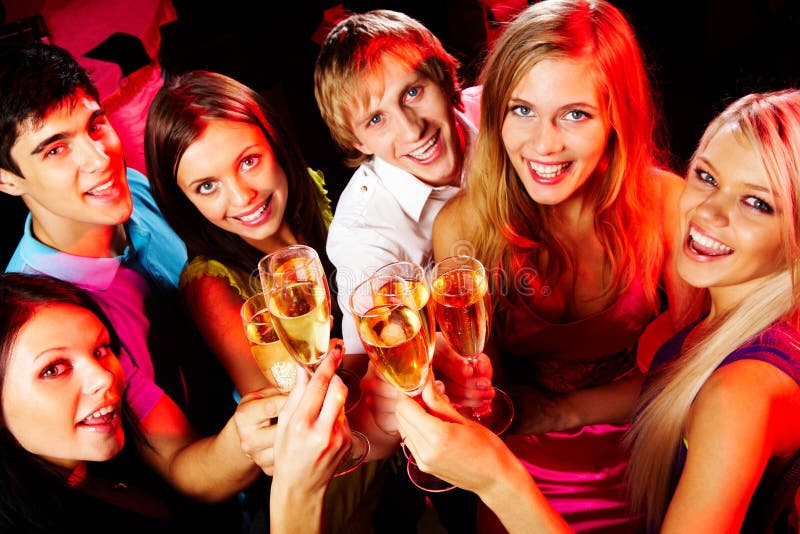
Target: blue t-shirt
{"points": [[124, 287]]}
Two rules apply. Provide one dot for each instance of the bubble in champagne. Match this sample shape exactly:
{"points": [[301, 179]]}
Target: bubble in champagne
{"points": [[284, 374]]}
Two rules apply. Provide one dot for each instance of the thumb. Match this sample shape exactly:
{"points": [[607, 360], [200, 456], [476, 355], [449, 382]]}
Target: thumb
{"points": [[439, 405]]}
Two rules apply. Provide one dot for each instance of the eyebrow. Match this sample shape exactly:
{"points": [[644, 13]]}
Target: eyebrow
{"points": [[102, 334], [63, 135], [419, 79]]}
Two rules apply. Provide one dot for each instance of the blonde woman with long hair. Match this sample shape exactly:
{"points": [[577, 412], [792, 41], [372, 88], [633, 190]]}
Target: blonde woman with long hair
{"points": [[715, 437], [567, 205]]}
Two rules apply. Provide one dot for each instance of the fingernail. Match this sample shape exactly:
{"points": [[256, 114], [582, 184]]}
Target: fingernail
{"points": [[484, 383], [439, 386]]}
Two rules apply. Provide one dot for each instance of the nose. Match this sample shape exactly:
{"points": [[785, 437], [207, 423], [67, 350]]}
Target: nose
{"points": [[409, 126], [548, 138], [98, 377], [713, 209], [92, 154], [240, 191]]}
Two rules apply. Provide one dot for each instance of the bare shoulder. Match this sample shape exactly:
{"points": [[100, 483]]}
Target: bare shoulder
{"points": [[669, 184], [448, 227], [753, 392], [206, 290], [668, 189]]}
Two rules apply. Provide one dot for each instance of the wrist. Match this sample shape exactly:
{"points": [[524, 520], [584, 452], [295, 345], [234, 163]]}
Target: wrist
{"points": [[295, 510], [502, 488]]}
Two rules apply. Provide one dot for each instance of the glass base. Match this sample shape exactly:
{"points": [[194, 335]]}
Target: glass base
{"points": [[421, 479], [496, 415], [359, 449]]}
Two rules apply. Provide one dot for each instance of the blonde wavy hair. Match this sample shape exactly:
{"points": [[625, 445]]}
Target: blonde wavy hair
{"points": [[768, 123], [512, 228]]}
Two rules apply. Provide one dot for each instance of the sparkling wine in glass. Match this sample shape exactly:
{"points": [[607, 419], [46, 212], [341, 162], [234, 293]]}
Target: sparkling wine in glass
{"points": [[392, 332], [275, 362], [417, 283], [463, 307], [298, 298]]}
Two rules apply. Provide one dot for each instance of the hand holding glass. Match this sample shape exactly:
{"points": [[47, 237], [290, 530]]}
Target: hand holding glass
{"points": [[463, 306], [299, 304], [392, 333]]}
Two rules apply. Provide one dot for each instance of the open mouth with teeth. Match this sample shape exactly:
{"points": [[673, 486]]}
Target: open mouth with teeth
{"points": [[426, 151], [705, 246], [106, 415], [256, 214], [102, 189], [548, 172]]}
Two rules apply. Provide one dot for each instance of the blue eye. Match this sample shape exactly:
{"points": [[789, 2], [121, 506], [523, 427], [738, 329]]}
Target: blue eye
{"points": [[576, 115], [522, 111], [705, 177], [758, 204], [375, 120], [414, 91]]}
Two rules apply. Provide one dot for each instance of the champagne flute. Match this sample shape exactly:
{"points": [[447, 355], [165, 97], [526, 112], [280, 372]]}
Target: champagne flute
{"points": [[275, 362], [463, 308], [392, 332], [417, 283], [299, 304]]}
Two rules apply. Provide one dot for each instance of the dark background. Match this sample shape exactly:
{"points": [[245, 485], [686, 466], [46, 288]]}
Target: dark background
{"points": [[702, 55]]}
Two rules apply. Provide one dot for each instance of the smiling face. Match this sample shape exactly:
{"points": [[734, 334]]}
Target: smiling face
{"points": [[232, 177], [555, 130], [409, 122], [63, 388], [72, 169], [730, 228]]}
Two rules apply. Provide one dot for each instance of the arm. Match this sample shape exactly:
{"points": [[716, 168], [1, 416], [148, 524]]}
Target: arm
{"points": [[449, 237], [735, 425], [536, 412], [210, 469], [447, 445], [458, 376], [214, 306], [312, 439]]}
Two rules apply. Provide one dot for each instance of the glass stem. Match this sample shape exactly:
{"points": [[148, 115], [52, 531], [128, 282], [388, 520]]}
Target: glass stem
{"points": [[485, 407]]}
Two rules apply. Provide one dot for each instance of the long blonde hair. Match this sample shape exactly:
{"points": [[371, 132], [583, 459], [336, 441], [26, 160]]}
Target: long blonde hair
{"points": [[769, 123], [511, 227]]}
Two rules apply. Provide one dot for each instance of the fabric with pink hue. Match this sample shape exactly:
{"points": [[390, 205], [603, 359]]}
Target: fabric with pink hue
{"points": [[81, 25], [127, 111], [581, 472]]}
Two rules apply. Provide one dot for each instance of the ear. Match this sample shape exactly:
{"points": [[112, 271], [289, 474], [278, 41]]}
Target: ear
{"points": [[361, 148], [10, 183]]}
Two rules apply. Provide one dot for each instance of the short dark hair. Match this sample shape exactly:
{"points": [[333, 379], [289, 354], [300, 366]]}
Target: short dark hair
{"points": [[35, 78]]}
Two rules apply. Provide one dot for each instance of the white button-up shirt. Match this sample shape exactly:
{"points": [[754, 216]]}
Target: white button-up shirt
{"points": [[386, 214]]}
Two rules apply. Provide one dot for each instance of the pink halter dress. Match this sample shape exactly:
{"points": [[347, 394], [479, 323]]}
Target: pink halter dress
{"points": [[582, 471]]}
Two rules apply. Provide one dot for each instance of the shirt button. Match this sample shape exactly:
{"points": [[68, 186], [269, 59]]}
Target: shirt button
{"points": [[363, 188]]}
